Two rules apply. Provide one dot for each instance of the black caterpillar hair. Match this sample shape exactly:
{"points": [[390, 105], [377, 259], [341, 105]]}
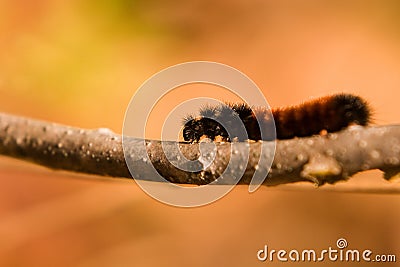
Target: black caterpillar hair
{"points": [[331, 113]]}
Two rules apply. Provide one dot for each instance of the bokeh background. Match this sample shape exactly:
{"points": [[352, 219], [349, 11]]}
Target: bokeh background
{"points": [[80, 62]]}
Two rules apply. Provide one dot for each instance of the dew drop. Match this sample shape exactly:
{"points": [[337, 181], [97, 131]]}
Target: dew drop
{"points": [[362, 143], [300, 157], [104, 131], [333, 136], [375, 154], [381, 131], [355, 131], [394, 160], [60, 145], [90, 144]]}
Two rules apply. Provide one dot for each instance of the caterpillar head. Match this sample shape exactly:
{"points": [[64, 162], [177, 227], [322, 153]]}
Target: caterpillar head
{"points": [[195, 128], [213, 120], [354, 109]]}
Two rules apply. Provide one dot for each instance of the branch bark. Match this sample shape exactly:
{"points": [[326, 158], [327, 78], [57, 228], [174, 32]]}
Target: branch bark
{"points": [[318, 159]]}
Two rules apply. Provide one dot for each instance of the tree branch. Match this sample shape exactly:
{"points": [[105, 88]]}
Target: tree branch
{"points": [[319, 159]]}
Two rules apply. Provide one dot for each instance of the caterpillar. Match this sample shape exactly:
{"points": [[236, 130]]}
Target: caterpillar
{"points": [[330, 113]]}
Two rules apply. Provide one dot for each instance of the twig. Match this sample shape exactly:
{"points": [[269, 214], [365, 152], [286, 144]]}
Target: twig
{"points": [[319, 159]]}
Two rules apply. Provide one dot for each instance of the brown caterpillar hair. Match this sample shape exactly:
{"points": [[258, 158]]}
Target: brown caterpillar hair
{"points": [[331, 113]]}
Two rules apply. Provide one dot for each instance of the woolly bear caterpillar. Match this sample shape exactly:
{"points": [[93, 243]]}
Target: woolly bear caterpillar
{"points": [[331, 113]]}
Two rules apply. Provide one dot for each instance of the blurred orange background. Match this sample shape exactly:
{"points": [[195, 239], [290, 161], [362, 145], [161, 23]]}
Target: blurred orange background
{"points": [[79, 63]]}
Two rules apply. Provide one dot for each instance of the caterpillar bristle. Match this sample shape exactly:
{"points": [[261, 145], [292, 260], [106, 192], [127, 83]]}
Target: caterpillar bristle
{"points": [[187, 118], [208, 111]]}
